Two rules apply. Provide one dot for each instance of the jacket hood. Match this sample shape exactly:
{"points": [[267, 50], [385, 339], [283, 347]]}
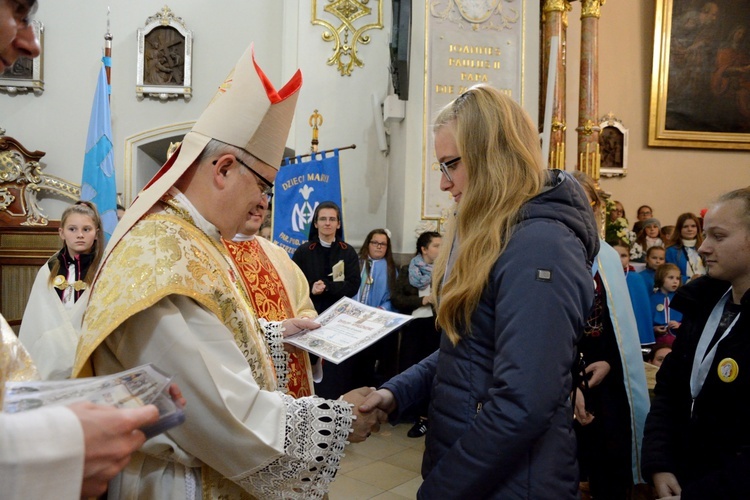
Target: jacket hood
{"points": [[563, 199]]}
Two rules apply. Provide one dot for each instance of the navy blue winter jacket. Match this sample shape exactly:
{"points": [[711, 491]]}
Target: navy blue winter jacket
{"points": [[500, 415]]}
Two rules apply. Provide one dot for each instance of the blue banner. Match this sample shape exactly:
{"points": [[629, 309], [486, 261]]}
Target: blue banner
{"points": [[98, 181], [299, 188]]}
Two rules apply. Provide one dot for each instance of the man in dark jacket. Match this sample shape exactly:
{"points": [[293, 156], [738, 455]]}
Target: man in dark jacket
{"points": [[697, 438]]}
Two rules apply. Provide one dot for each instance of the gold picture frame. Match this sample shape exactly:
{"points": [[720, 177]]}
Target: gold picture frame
{"points": [[700, 82]]}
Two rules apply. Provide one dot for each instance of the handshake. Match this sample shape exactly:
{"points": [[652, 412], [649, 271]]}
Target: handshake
{"points": [[370, 409]]}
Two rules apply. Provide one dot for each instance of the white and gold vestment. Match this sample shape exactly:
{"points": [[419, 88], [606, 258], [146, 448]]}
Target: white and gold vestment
{"points": [[169, 294]]}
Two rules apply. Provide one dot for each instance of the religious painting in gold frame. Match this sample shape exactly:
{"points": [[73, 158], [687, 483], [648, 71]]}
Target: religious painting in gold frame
{"points": [[700, 82]]}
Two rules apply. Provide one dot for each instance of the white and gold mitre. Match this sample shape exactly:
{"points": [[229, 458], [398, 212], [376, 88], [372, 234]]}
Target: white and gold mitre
{"points": [[247, 112]]}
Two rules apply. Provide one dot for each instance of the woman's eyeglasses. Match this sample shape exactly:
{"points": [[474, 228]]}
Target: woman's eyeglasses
{"points": [[449, 165]]}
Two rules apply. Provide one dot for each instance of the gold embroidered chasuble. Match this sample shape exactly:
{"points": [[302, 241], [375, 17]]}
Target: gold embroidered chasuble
{"points": [[166, 254], [15, 363], [185, 290], [270, 275]]}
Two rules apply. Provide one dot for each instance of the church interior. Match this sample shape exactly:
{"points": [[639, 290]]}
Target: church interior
{"points": [[379, 93]]}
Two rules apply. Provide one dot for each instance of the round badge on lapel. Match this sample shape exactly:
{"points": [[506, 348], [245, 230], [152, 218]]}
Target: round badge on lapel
{"points": [[728, 370]]}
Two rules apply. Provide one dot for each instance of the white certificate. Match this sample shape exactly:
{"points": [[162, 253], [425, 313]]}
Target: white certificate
{"points": [[347, 327]]}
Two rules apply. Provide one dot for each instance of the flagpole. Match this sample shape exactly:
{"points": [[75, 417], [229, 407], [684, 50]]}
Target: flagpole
{"points": [[353, 146], [108, 50]]}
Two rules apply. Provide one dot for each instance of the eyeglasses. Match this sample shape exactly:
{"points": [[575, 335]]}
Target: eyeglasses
{"points": [[266, 189], [329, 219], [378, 244], [450, 164]]}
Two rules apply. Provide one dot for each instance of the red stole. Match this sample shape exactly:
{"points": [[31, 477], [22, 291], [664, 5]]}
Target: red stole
{"points": [[271, 302]]}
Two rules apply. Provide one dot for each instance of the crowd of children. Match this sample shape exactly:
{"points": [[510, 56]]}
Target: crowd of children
{"points": [[669, 259]]}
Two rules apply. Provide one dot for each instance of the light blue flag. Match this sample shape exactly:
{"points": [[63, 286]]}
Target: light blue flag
{"points": [[299, 188], [98, 183]]}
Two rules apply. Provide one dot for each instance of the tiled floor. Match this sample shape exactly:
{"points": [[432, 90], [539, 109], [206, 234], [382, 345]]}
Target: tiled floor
{"points": [[385, 467]]}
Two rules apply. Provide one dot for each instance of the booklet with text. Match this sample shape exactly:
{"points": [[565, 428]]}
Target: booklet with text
{"points": [[129, 389], [347, 327]]}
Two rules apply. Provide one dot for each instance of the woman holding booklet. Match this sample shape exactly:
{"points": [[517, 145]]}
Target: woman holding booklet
{"points": [[513, 287]]}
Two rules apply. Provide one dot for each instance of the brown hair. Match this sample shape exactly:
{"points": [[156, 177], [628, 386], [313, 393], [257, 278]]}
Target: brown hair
{"points": [[364, 254], [677, 234]]}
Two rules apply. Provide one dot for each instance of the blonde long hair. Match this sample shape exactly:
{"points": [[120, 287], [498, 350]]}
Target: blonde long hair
{"points": [[499, 147]]}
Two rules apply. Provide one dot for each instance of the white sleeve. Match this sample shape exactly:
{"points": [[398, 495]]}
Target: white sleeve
{"points": [[271, 445], [41, 454]]}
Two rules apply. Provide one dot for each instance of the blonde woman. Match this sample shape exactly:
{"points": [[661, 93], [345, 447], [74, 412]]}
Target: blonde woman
{"points": [[514, 287]]}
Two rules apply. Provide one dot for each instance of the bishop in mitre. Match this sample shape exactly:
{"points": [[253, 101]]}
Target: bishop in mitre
{"points": [[169, 294]]}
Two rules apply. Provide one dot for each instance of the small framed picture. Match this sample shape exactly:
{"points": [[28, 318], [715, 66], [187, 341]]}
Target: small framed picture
{"points": [[165, 48], [26, 75], [613, 147]]}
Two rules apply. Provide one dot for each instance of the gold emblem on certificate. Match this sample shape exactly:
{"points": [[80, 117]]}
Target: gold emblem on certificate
{"points": [[728, 370]]}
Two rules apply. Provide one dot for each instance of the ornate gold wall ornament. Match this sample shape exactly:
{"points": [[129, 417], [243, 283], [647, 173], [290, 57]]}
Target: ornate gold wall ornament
{"points": [[591, 8], [347, 11], [556, 6], [22, 175], [557, 125], [588, 128]]}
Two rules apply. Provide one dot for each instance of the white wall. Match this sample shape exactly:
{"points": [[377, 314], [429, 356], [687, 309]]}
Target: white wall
{"points": [[379, 190], [57, 121]]}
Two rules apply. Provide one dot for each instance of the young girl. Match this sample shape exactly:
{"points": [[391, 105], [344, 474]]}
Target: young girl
{"points": [[51, 338], [666, 321], [683, 247], [654, 258], [650, 235]]}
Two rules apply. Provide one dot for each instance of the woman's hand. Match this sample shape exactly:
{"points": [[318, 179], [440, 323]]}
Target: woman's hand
{"points": [[579, 412], [598, 370]]}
